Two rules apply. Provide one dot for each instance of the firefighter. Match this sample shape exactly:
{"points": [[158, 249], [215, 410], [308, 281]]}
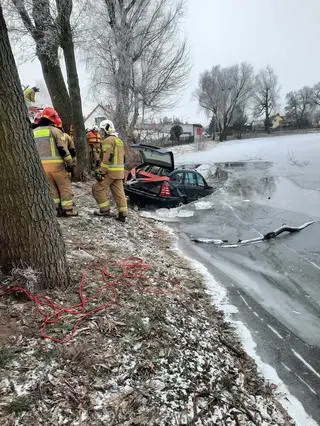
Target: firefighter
{"points": [[110, 175], [69, 142], [30, 95], [71, 147], [56, 160], [94, 141]]}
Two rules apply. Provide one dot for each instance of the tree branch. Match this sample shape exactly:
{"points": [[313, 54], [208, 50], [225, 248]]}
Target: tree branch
{"points": [[20, 6]]}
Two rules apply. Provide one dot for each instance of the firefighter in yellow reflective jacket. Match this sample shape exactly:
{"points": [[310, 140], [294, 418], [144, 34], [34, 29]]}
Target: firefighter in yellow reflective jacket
{"points": [[110, 176], [56, 160], [71, 147], [68, 141], [30, 95]]}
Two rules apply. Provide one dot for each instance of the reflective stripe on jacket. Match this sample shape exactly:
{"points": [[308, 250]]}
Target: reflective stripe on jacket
{"points": [[70, 145], [46, 146], [113, 157], [52, 148]]}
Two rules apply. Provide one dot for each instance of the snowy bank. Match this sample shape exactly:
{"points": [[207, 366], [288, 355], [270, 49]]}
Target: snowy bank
{"points": [[159, 354]]}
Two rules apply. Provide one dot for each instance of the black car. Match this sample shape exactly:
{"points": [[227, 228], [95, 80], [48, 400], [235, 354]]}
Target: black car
{"points": [[156, 182]]}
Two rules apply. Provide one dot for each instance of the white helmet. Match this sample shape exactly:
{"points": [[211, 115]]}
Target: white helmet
{"points": [[108, 127]]}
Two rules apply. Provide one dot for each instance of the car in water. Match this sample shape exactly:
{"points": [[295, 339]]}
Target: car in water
{"points": [[156, 182]]}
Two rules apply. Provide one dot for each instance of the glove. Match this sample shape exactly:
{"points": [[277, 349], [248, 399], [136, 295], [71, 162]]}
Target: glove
{"points": [[72, 152], [69, 168], [99, 176]]}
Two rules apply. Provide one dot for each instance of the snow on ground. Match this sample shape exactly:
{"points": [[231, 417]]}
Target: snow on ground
{"points": [[161, 354]]}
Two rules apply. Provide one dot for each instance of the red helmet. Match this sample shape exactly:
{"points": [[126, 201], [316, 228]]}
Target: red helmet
{"points": [[59, 123], [52, 115]]}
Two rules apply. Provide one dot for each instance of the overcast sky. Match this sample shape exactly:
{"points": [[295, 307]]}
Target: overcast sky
{"points": [[282, 33]]}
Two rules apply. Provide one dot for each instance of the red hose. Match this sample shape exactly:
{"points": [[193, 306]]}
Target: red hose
{"points": [[128, 272]]}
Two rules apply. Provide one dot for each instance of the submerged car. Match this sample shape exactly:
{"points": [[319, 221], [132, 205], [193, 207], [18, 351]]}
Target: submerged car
{"points": [[156, 182]]}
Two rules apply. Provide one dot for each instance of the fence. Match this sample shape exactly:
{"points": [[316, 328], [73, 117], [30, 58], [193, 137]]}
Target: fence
{"points": [[166, 142]]}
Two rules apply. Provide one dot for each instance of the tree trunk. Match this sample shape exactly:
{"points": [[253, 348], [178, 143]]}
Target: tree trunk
{"points": [[121, 118], [77, 115], [29, 232], [64, 8], [133, 122], [267, 122], [59, 95]]}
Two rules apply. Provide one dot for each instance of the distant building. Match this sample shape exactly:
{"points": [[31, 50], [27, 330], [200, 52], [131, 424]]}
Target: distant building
{"points": [[99, 113], [160, 131]]}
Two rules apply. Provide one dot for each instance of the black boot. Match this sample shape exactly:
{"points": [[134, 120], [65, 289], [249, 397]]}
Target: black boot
{"points": [[121, 217], [59, 212]]}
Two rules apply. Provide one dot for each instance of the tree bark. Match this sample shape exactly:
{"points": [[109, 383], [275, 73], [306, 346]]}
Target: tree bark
{"points": [[58, 92], [44, 34], [29, 233], [76, 106], [66, 42]]}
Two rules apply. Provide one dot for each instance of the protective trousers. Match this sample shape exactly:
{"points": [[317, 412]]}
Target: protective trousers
{"points": [[95, 152], [101, 193], [60, 188]]}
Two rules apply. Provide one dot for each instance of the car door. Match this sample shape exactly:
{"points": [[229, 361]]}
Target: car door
{"points": [[177, 182], [191, 187]]}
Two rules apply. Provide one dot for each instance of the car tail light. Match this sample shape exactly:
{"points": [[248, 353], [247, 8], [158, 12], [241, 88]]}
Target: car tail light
{"points": [[165, 190]]}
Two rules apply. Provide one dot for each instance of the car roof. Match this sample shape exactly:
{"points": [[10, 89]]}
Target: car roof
{"points": [[180, 169]]}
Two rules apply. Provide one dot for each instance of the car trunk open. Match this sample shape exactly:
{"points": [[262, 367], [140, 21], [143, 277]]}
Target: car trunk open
{"points": [[155, 156]]}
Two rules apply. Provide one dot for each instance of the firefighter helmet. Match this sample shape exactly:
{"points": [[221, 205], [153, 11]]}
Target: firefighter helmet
{"points": [[52, 115], [108, 127]]}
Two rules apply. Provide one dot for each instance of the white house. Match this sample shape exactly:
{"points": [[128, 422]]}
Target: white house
{"points": [[159, 131], [99, 113]]}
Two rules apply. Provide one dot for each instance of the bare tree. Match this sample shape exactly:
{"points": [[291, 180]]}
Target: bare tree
{"points": [[239, 121], [222, 91], [49, 24], [265, 95], [316, 94], [300, 106], [29, 232], [139, 60], [38, 21]]}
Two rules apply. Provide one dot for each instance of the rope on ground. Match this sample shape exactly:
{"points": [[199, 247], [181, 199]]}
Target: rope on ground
{"points": [[126, 273]]}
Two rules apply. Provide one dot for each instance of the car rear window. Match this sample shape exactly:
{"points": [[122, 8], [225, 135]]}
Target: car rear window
{"points": [[201, 181]]}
